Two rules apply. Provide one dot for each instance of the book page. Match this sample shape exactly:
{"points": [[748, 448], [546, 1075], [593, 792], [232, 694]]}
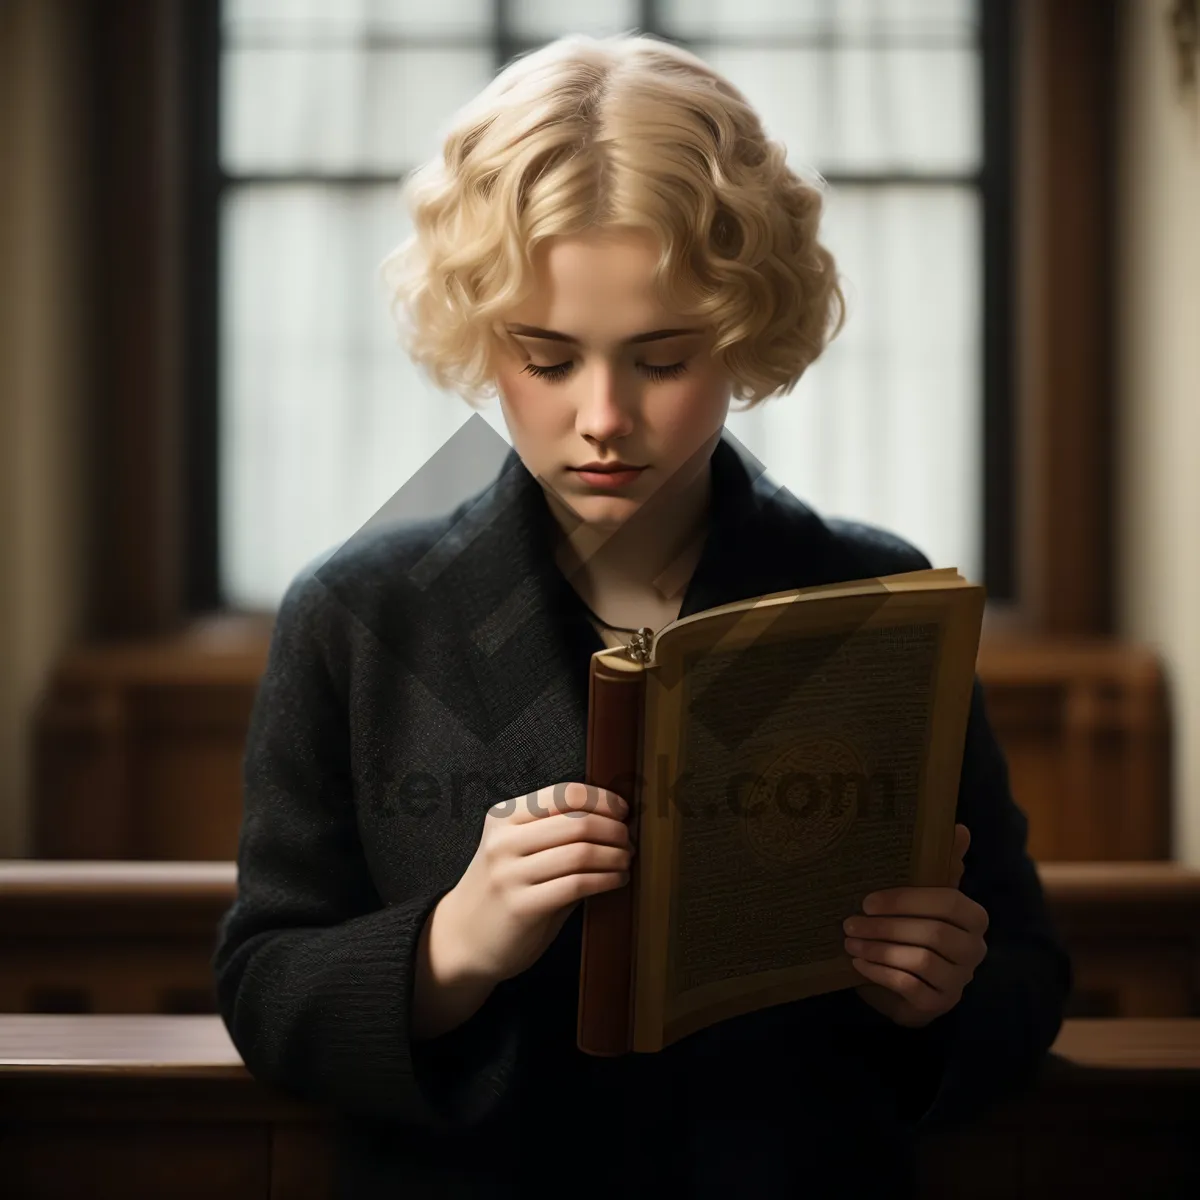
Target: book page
{"points": [[939, 577], [798, 794]]}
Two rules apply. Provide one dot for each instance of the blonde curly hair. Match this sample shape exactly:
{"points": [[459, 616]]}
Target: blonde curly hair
{"points": [[589, 134]]}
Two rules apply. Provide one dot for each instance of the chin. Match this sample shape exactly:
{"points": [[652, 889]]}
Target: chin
{"points": [[602, 511]]}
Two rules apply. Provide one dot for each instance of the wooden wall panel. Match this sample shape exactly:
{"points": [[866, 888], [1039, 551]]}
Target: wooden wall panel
{"points": [[139, 746], [1064, 90], [1084, 726]]}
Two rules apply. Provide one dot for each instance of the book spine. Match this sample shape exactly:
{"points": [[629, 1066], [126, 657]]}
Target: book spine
{"points": [[605, 1019]]}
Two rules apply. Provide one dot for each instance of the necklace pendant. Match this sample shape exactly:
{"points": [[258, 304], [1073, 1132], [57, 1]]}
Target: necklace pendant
{"points": [[641, 644]]}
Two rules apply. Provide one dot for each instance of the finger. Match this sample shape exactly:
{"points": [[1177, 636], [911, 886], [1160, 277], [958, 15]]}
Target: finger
{"points": [[574, 858], [956, 872], [925, 965], [574, 799], [905, 984], [955, 945], [962, 840], [567, 798], [559, 829], [942, 904], [568, 890]]}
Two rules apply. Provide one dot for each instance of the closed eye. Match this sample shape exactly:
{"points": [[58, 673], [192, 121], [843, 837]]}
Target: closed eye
{"points": [[562, 370]]}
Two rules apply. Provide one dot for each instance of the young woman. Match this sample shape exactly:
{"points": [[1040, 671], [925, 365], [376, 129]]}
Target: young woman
{"points": [[611, 244]]}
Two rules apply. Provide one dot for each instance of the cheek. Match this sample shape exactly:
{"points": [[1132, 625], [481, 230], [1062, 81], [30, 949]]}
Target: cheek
{"points": [[517, 394], [699, 401]]}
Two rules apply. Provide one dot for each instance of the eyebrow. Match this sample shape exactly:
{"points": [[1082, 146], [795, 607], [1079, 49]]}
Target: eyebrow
{"points": [[653, 335]]}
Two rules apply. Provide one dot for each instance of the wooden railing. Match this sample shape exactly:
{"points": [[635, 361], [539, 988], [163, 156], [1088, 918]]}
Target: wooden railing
{"points": [[123, 937], [146, 1107], [162, 1102]]}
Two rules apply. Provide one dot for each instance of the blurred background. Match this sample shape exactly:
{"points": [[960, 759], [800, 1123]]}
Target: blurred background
{"points": [[201, 390]]}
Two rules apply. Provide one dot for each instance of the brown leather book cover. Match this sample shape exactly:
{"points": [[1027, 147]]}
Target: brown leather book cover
{"points": [[613, 742], [783, 756]]}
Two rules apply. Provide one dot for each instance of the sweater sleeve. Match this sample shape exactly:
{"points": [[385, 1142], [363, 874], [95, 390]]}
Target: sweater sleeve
{"points": [[993, 1042], [314, 975]]}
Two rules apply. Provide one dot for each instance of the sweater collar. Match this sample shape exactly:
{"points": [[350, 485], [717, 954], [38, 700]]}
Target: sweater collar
{"points": [[739, 558], [524, 640]]}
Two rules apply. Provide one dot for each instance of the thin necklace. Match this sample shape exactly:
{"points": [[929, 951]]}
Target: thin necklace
{"points": [[639, 645], [601, 621]]}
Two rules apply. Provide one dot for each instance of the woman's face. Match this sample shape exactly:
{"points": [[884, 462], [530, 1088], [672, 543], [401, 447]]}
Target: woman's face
{"points": [[594, 393]]}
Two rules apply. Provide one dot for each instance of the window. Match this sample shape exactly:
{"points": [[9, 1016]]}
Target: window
{"points": [[323, 108]]}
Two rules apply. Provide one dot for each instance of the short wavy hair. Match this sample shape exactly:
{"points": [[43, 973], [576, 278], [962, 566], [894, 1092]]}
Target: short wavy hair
{"points": [[592, 134]]}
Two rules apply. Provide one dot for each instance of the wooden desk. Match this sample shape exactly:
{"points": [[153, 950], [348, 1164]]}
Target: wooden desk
{"points": [[153, 1107], [148, 1108]]}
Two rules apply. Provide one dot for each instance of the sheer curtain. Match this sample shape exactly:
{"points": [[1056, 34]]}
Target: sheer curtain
{"points": [[325, 107]]}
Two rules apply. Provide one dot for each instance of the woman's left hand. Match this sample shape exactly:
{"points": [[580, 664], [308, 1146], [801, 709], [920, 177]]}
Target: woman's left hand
{"points": [[919, 946]]}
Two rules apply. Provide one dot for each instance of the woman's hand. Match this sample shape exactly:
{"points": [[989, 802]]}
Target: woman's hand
{"points": [[919, 946], [539, 855]]}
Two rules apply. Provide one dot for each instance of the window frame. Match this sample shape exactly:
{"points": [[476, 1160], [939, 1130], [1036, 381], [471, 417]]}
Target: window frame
{"points": [[1017, 413]]}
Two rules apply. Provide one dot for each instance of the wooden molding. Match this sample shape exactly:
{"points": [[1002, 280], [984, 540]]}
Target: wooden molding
{"points": [[1065, 84], [138, 149]]}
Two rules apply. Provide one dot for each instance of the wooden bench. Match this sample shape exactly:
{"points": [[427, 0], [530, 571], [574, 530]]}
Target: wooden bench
{"points": [[111, 937], [1133, 933], [1116, 1113], [139, 1107], [143, 1107], [123, 937]]}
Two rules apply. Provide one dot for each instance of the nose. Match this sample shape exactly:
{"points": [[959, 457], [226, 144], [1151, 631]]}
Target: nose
{"points": [[604, 412]]}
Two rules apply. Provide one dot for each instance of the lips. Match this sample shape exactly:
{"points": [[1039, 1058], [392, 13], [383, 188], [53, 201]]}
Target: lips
{"points": [[608, 478]]}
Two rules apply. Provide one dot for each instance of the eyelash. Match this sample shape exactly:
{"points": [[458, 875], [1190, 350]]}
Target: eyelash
{"points": [[561, 370]]}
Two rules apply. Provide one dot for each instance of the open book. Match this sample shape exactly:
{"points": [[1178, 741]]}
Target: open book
{"points": [[783, 756]]}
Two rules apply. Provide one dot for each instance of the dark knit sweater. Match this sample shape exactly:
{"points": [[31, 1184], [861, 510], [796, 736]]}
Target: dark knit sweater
{"points": [[430, 668]]}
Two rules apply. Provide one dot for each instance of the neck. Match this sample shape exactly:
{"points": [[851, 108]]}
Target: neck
{"points": [[651, 555]]}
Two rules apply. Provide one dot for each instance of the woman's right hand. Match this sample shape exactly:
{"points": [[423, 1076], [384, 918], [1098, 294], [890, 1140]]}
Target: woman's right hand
{"points": [[539, 855]]}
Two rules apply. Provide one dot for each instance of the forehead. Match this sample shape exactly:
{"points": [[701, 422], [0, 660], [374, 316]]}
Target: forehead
{"points": [[593, 278]]}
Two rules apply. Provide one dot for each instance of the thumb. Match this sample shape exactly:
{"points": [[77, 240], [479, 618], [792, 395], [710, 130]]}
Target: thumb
{"points": [[962, 842]]}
